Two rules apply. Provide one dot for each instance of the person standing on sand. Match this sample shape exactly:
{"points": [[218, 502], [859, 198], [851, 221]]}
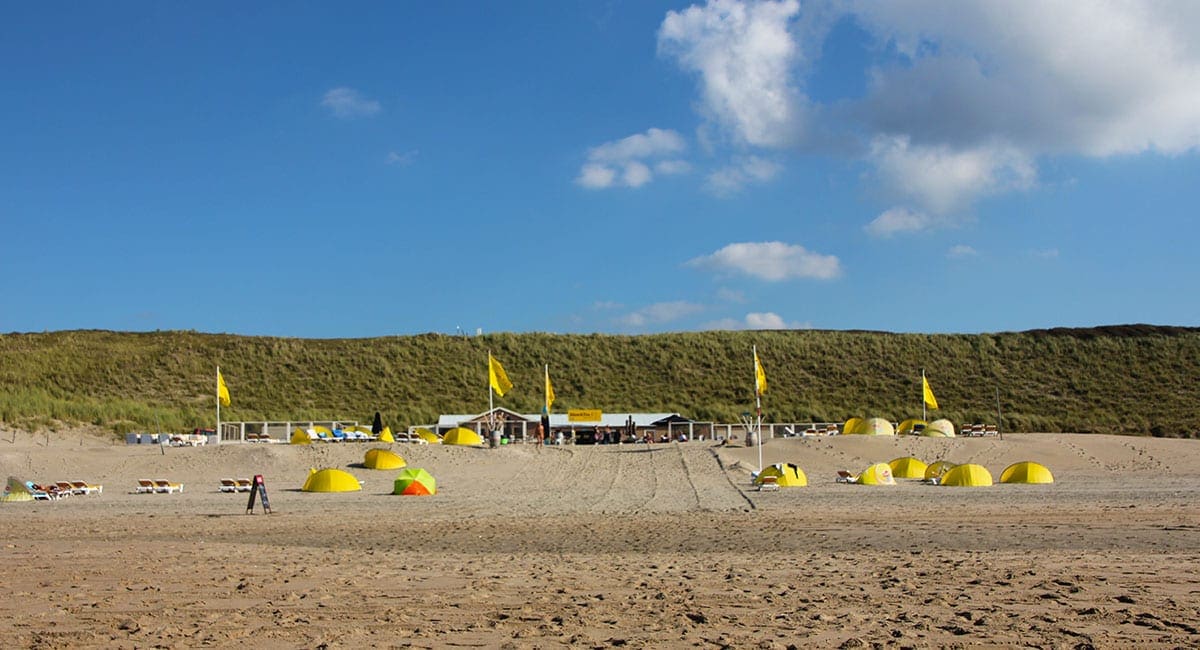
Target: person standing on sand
{"points": [[539, 435]]}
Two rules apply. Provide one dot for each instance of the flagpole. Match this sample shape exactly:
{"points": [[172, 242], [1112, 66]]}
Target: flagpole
{"points": [[923, 394], [218, 404], [758, 407], [545, 393], [491, 407]]}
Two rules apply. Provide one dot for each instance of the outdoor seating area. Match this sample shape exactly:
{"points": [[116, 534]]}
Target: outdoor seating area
{"points": [[235, 485], [978, 430], [157, 486]]}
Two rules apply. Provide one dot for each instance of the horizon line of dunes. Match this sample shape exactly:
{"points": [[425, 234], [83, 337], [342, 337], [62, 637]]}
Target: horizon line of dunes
{"points": [[1128, 379]]}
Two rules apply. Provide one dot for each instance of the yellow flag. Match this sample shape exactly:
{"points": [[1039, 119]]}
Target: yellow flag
{"points": [[760, 377], [222, 390], [497, 377], [930, 400], [549, 391]]}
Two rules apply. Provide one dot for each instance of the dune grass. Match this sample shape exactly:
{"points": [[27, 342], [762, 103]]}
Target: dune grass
{"points": [[1135, 379]]}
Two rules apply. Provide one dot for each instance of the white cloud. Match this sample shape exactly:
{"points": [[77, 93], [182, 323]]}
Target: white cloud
{"points": [[897, 220], [967, 97], [596, 177], [961, 251], [660, 313], [943, 180], [606, 305], [624, 162], [756, 321], [348, 103], [743, 171], [651, 144], [771, 261], [743, 54], [636, 174], [406, 158], [1096, 78], [765, 321]]}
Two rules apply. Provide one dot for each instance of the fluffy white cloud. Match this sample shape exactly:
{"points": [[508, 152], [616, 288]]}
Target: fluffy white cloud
{"points": [[756, 321], [742, 172], [624, 162], [943, 180], [743, 53], [395, 158], [897, 220], [966, 96], [772, 261], [348, 103], [1096, 78], [659, 313]]}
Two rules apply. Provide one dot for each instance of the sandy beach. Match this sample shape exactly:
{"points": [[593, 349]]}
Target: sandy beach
{"points": [[664, 545]]}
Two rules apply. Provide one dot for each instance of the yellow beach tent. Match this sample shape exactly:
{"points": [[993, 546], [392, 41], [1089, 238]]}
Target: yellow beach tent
{"points": [[300, 437], [908, 467], [852, 425], [967, 475], [461, 436], [383, 459], [427, 435], [937, 469], [911, 426], [331, 480], [16, 491], [786, 475], [1026, 472], [877, 474], [942, 428], [386, 435], [875, 427]]}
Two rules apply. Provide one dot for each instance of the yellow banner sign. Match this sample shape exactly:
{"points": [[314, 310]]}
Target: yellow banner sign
{"points": [[583, 415]]}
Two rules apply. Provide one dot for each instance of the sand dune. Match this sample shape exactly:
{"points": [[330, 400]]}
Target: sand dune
{"points": [[624, 546]]}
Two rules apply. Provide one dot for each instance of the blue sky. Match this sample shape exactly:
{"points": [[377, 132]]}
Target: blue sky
{"points": [[314, 170]]}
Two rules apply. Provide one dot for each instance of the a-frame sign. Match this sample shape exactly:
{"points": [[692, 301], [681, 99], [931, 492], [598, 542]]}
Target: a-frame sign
{"points": [[259, 489]]}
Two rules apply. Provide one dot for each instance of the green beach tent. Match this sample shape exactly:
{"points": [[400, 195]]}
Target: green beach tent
{"points": [[415, 482]]}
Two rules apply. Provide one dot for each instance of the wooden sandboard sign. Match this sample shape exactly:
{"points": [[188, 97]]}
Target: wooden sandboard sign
{"points": [[259, 489], [584, 415]]}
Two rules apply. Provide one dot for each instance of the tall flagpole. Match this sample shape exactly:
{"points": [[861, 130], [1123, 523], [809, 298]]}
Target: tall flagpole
{"points": [[923, 394], [758, 407], [491, 407], [218, 403]]}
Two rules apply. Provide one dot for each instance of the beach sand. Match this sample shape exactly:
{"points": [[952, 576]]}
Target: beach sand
{"points": [[642, 546]]}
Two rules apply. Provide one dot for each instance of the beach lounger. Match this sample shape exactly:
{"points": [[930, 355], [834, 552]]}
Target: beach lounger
{"points": [[145, 486], [244, 484], [66, 487], [40, 493], [846, 477], [768, 484], [228, 485], [166, 487], [83, 487]]}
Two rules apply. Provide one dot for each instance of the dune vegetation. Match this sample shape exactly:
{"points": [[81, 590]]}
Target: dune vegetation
{"points": [[1134, 379]]}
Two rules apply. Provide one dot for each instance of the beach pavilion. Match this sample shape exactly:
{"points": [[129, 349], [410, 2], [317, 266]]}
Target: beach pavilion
{"points": [[580, 426]]}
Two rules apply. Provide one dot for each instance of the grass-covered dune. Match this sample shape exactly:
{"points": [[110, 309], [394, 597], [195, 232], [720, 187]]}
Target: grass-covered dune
{"points": [[1136, 379]]}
